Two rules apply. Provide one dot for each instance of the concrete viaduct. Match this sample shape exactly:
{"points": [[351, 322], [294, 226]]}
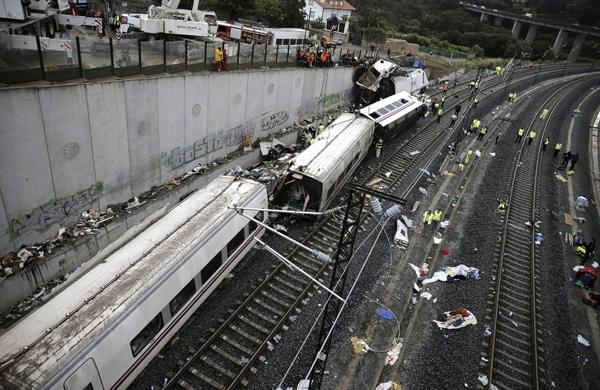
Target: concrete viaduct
{"points": [[563, 29]]}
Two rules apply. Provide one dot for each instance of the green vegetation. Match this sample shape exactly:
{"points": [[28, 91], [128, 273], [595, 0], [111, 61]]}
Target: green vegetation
{"points": [[442, 23], [436, 24], [273, 13]]}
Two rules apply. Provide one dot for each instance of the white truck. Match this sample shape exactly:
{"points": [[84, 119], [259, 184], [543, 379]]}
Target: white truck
{"points": [[172, 17], [42, 17]]}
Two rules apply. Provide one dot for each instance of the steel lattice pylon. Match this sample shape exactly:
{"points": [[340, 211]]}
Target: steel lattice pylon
{"points": [[352, 218]]}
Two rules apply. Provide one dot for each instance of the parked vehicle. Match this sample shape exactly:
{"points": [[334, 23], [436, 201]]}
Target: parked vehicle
{"points": [[43, 17]]}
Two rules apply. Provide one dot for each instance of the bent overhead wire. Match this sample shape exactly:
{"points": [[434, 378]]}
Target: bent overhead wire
{"points": [[287, 262], [318, 254]]}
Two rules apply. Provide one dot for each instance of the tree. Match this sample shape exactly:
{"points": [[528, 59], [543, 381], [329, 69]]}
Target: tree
{"points": [[375, 36], [269, 12], [478, 50], [293, 13], [317, 23]]}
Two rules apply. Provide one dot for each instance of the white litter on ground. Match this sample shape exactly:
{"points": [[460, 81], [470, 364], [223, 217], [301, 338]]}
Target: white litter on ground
{"points": [[426, 295], [583, 341]]}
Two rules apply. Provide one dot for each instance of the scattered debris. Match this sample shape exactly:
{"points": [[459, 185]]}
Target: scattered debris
{"points": [[426, 295], [561, 178], [421, 272], [483, 379], [569, 219], [423, 191], [389, 386], [359, 345], [456, 319], [374, 181], [582, 340], [492, 154], [401, 233], [450, 274], [581, 203], [414, 153], [444, 224], [280, 228], [392, 355], [425, 171], [415, 206], [388, 174], [487, 331], [386, 314], [407, 221], [539, 238]]}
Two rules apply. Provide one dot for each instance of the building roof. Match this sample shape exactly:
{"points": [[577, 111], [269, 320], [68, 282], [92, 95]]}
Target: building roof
{"points": [[335, 4]]}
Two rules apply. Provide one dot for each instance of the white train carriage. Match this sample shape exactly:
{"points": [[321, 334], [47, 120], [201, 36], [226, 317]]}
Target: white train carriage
{"points": [[394, 114], [319, 172], [387, 77], [104, 328]]}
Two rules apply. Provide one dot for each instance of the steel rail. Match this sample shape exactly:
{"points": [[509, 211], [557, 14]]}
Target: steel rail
{"points": [[509, 256], [233, 379]]}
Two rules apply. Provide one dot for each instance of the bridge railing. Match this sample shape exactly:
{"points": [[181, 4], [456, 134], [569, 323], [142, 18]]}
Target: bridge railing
{"points": [[30, 58]]}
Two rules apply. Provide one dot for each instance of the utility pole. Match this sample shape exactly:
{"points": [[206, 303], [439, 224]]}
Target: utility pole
{"points": [[509, 76], [342, 256]]}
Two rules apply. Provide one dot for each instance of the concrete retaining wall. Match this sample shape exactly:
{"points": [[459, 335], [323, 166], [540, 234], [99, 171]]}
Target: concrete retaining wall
{"points": [[74, 259], [67, 148]]}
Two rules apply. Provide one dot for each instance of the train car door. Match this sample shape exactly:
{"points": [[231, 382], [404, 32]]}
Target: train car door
{"points": [[86, 377]]}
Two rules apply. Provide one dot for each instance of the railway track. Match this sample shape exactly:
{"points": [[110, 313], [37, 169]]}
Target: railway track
{"points": [[226, 359], [514, 353]]}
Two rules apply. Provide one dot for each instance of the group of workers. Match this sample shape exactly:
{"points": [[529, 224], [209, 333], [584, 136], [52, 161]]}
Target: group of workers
{"points": [[311, 58], [431, 217]]}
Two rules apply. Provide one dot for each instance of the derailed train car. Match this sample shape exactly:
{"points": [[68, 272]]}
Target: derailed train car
{"points": [[394, 114], [100, 331], [322, 169], [319, 172]]}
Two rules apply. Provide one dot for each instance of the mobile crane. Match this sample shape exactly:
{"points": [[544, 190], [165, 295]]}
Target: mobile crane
{"points": [[177, 17]]}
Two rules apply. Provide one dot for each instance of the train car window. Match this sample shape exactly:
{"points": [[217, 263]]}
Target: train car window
{"points": [[278, 41], [404, 101], [235, 242], [286, 41], [182, 297], [212, 267], [145, 336], [330, 192]]}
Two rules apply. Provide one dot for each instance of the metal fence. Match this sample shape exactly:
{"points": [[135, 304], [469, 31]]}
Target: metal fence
{"points": [[30, 58], [444, 53]]}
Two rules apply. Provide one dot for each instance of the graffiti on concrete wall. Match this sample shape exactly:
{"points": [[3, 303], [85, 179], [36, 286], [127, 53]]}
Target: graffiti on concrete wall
{"points": [[204, 147], [54, 211], [272, 121], [309, 107]]}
